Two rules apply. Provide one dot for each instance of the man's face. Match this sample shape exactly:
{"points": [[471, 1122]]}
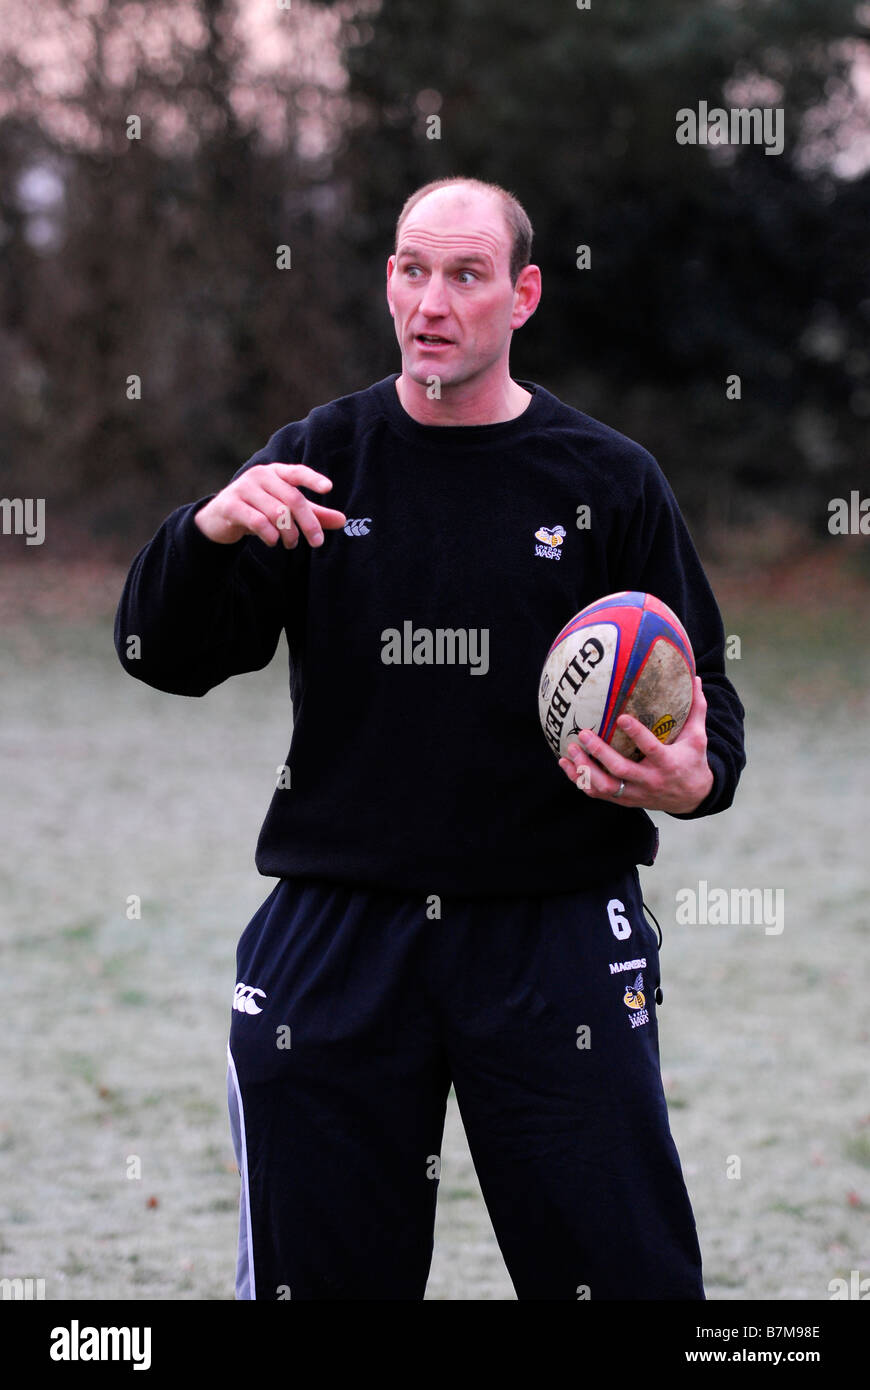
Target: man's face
{"points": [[449, 288]]}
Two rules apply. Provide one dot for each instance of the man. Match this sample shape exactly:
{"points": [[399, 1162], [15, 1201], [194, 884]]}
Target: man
{"points": [[447, 901]]}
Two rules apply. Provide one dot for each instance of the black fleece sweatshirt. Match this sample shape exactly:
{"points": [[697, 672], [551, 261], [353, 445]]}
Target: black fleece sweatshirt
{"points": [[417, 636]]}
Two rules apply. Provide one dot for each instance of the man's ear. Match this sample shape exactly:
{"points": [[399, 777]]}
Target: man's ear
{"points": [[391, 265], [527, 295]]}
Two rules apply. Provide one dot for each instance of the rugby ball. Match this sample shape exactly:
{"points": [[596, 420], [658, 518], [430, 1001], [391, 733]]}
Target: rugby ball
{"points": [[628, 653]]}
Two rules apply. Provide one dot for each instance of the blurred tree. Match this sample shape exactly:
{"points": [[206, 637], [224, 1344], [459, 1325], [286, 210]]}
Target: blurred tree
{"points": [[159, 257], [705, 261], [156, 256]]}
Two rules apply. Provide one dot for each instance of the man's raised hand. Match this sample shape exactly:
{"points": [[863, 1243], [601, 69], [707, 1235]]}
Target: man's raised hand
{"points": [[265, 501]]}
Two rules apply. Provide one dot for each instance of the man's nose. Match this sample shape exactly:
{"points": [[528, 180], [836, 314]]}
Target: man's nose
{"points": [[434, 299]]}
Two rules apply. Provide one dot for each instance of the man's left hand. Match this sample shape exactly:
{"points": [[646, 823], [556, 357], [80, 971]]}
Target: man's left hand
{"points": [[673, 777]]}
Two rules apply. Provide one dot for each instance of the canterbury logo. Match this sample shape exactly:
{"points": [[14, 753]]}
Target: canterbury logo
{"points": [[358, 527], [243, 999]]}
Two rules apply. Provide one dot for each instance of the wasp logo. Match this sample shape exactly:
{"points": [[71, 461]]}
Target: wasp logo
{"points": [[357, 526], [664, 726], [243, 999], [634, 996], [549, 539], [550, 535]]}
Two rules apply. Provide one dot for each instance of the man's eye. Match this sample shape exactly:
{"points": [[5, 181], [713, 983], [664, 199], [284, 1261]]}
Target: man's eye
{"points": [[412, 270], [469, 273]]}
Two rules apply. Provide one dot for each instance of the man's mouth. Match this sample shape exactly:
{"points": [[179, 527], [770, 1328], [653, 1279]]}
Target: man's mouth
{"points": [[430, 339]]}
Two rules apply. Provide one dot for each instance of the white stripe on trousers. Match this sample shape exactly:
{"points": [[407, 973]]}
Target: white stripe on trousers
{"points": [[245, 1285]]}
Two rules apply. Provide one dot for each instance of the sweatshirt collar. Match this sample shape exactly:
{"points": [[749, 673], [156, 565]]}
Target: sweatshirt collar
{"points": [[452, 437]]}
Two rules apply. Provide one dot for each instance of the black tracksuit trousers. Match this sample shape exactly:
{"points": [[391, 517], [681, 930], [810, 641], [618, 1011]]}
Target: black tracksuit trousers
{"points": [[354, 1012]]}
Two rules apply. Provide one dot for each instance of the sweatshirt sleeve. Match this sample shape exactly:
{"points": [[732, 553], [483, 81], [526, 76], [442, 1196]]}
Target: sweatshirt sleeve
{"points": [[194, 612], [659, 557]]}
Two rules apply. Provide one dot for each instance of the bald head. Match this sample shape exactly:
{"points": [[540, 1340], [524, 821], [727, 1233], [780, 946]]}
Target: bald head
{"points": [[459, 196]]}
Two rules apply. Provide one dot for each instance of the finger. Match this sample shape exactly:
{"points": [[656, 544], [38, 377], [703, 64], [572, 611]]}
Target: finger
{"points": [[329, 519], [698, 697], [288, 529], [590, 776], [572, 771], [699, 702], [696, 724], [279, 513], [301, 511], [296, 510], [288, 509], [578, 773], [612, 762], [300, 475], [312, 518], [643, 738], [255, 521]]}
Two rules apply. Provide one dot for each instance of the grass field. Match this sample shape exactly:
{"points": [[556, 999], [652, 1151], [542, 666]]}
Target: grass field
{"points": [[116, 1028]]}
